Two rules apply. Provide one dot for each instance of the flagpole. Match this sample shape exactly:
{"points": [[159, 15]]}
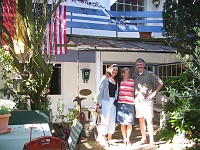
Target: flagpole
{"points": [[53, 30]]}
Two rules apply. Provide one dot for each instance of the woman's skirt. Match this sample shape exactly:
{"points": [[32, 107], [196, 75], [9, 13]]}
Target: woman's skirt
{"points": [[125, 114]]}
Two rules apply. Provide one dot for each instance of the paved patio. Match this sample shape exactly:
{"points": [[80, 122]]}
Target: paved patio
{"points": [[135, 137]]}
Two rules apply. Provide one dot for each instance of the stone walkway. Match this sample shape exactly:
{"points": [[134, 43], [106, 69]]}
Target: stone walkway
{"points": [[135, 137]]}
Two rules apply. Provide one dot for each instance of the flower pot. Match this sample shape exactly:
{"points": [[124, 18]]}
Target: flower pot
{"points": [[144, 35], [4, 119]]}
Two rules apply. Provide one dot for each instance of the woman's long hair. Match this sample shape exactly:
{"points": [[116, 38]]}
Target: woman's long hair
{"points": [[108, 72]]}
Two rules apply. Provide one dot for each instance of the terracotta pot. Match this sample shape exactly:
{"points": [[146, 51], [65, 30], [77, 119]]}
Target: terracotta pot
{"points": [[144, 35], [4, 119]]}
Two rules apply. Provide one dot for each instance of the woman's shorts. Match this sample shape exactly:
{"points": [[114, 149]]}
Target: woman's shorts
{"points": [[125, 114]]}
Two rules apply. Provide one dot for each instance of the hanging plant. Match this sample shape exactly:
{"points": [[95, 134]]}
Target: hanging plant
{"points": [[156, 3]]}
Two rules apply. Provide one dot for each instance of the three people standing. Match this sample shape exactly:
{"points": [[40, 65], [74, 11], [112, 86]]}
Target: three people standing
{"points": [[139, 91]]}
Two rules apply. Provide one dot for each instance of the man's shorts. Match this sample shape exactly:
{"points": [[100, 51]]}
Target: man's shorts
{"points": [[144, 109]]}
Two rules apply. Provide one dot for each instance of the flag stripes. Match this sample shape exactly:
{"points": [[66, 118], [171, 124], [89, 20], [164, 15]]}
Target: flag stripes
{"points": [[55, 39], [8, 17], [56, 32]]}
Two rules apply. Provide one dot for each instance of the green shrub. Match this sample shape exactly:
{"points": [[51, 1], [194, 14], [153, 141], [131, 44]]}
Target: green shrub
{"points": [[165, 134], [183, 106]]}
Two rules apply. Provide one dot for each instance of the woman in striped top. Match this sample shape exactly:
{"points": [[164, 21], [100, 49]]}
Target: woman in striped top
{"points": [[125, 107]]}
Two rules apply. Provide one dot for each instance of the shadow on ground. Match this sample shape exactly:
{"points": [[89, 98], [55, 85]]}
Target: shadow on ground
{"points": [[90, 143]]}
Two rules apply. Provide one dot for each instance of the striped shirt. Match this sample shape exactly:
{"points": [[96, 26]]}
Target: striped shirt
{"points": [[126, 92]]}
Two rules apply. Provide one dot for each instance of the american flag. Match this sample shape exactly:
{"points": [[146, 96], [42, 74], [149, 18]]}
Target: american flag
{"points": [[55, 37], [56, 40], [8, 17]]}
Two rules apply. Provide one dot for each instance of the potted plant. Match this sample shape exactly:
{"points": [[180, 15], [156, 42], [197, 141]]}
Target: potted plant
{"points": [[6, 106]]}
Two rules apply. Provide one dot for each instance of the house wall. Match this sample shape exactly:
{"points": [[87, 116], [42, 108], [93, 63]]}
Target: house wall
{"points": [[157, 58], [71, 76], [72, 83]]}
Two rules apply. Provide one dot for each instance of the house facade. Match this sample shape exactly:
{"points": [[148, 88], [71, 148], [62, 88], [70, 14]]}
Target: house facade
{"points": [[104, 32], [98, 41]]}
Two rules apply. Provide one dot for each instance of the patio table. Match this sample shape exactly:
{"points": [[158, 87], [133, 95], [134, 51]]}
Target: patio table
{"points": [[20, 134]]}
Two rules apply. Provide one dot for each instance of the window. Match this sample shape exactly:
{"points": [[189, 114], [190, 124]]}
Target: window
{"points": [[150, 68], [174, 70], [160, 71], [55, 83], [179, 69], [113, 7], [169, 74], [128, 5], [170, 70], [120, 7]]}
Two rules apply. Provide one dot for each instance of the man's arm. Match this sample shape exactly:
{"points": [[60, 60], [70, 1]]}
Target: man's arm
{"points": [[153, 94]]}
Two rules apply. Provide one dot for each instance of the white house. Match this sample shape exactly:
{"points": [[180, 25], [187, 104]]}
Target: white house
{"points": [[101, 37], [97, 48]]}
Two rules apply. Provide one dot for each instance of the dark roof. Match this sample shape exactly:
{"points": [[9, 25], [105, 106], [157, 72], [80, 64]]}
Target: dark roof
{"points": [[114, 44]]}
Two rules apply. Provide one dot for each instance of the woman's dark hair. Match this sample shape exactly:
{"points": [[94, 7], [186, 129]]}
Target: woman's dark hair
{"points": [[108, 73]]}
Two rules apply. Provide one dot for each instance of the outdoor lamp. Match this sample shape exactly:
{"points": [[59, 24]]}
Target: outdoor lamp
{"points": [[18, 86], [85, 75]]}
